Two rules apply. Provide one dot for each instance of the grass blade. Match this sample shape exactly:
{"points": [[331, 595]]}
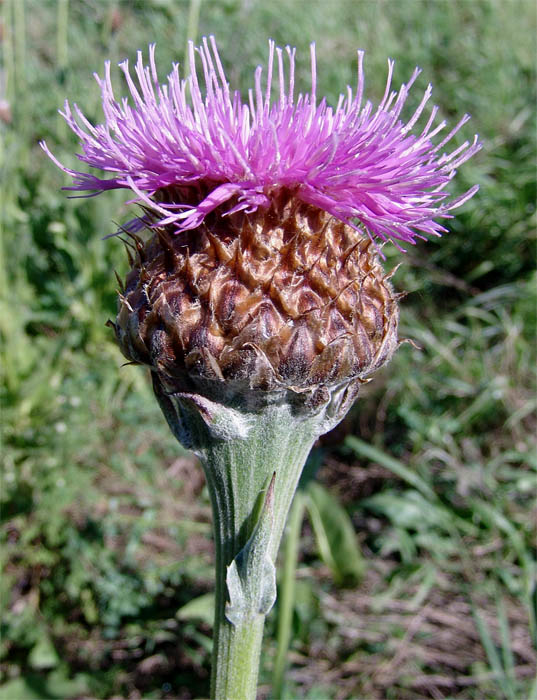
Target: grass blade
{"points": [[286, 598], [362, 449]]}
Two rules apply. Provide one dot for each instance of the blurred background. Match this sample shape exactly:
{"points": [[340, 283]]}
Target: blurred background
{"points": [[415, 572]]}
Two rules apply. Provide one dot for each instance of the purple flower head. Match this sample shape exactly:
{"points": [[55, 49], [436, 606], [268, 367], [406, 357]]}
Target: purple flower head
{"points": [[361, 164]]}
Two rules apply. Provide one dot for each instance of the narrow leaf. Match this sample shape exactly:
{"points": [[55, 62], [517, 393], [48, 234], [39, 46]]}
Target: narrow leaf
{"points": [[335, 535], [362, 449]]}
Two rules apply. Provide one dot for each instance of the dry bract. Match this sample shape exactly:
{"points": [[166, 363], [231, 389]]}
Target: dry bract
{"points": [[286, 297]]}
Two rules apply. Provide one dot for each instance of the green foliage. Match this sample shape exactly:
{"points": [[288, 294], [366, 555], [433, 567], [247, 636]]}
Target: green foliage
{"points": [[105, 525], [334, 535]]}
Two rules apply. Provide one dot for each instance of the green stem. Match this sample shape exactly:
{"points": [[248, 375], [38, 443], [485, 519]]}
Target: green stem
{"points": [[253, 447], [236, 660], [20, 46], [62, 44], [8, 51], [237, 471]]}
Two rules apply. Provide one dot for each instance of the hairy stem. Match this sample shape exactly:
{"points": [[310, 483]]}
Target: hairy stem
{"points": [[238, 473], [253, 448]]}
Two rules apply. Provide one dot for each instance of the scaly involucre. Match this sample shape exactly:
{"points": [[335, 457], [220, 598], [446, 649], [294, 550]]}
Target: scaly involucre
{"points": [[363, 165]]}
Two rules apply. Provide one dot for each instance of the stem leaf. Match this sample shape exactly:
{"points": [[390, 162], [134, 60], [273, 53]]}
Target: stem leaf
{"points": [[251, 576]]}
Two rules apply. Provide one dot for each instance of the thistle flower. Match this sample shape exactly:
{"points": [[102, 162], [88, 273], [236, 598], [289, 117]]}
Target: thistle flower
{"points": [[259, 301], [364, 166], [260, 268]]}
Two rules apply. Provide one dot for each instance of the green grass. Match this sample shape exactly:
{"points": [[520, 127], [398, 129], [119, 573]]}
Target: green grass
{"points": [[105, 521]]}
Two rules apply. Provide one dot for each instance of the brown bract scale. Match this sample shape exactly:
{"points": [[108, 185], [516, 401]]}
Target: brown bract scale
{"points": [[285, 298]]}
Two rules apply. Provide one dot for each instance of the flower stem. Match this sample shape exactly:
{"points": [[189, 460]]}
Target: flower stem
{"points": [[236, 660], [238, 473], [253, 447]]}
